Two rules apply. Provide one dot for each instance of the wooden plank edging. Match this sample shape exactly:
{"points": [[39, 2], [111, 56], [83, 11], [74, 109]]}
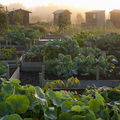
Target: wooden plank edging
{"points": [[16, 74]]}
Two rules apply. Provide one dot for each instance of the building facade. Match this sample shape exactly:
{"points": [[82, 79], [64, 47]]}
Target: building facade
{"points": [[115, 18], [95, 18], [64, 14], [19, 16]]}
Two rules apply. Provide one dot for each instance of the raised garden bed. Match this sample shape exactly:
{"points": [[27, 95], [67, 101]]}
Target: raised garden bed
{"points": [[32, 65], [33, 78], [18, 47], [13, 63], [85, 83], [29, 78], [37, 78]]}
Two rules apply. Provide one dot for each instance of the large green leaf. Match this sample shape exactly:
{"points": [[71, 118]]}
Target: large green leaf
{"points": [[50, 113], [2, 96], [7, 89], [65, 116], [90, 116], [78, 117], [28, 119], [105, 114], [40, 96], [20, 103], [14, 81], [11, 117], [94, 105], [56, 98], [66, 106], [76, 108], [5, 109], [100, 99]]}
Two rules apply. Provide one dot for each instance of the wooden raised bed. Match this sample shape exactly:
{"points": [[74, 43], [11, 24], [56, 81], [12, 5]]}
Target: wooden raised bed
{"points": [[13, 63], [83, 83], [16, 74], [41, 81], [19, 48], [31, 66]]}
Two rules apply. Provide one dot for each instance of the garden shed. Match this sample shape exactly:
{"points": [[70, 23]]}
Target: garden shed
{"points": [[65, 14], [95, 18], [115, 18], [1, 7], [19, 16]]}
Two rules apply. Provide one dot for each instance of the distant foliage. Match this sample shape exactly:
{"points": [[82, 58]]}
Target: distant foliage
{"points": [[22, 36], [109, 41], [39, 27], [67, 47], [79, 19], [82, 37], [3, 21]]}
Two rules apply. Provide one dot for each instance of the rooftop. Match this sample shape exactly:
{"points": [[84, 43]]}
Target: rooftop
{"points": [[115, 11], [95, 11], [12, 10], [61, 11]]}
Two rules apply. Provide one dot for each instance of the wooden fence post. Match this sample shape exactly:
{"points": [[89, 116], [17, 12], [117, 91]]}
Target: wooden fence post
{"points": [[97, 72], [42, 74], [41, 79], [8, 72], [17, 61], [23, 56]]}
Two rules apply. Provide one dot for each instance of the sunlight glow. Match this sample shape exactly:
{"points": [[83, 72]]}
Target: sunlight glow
{"points": [[90, 4]]}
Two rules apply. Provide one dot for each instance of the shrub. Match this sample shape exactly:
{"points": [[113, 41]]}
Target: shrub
{"points": [[109, 41], [7, 53], [3, 21], [21, 36], [66, 47], [82, 37], [39, 27]]}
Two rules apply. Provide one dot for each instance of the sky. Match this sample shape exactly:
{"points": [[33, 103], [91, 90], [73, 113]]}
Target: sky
{"points": [[90, 4]]}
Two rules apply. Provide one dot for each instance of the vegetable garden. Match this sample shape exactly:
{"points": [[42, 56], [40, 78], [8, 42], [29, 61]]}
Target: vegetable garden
{"points": [[60, 68]]}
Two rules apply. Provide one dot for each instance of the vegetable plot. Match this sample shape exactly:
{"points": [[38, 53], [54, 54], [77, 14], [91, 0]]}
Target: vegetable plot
{"points": [[30, 103]]}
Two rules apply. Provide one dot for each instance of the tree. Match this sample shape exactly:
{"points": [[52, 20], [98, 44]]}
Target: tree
{"points": [[3, 20], [79, 19]]}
